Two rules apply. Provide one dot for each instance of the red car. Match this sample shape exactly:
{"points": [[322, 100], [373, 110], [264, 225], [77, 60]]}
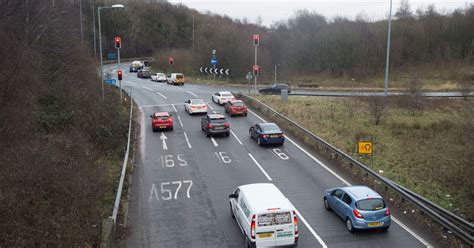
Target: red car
{"points": [[161, 120], [235, 107]]}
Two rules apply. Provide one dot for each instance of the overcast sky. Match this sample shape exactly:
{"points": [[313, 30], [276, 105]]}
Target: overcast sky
{"points": [[271, 11]]}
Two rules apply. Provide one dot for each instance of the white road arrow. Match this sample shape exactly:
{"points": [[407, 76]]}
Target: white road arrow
{"points": [[163, 138]]}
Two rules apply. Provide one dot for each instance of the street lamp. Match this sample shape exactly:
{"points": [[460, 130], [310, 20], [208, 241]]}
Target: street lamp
{"points": [[100, 43], [275, 79], [388, 50]]}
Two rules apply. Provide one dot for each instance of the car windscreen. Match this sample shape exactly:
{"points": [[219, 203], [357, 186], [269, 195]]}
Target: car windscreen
{"points": [[218, 121], [199, 101], [272, 219], [238, 104], [162, 117], [271, 128], [370, 204]]}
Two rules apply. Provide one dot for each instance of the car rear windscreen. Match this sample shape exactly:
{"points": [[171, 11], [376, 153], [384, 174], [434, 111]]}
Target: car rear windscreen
{"points": [[273, 219], [227, 95], [370, 204], [238, 104], [199, 101], [271, 128], [162, 117], [218, 121], [179, 76]]}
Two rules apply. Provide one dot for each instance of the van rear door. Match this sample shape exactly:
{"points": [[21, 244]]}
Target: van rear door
{"points": [[274, 228]]}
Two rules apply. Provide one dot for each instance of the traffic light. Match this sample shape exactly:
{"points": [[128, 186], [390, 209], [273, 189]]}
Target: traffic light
{"points": [[170, 60], [256, 39], [118, 42], [256, 70], [119, 74]]}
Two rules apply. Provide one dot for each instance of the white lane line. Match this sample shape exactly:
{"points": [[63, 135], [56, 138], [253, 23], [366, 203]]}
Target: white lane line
{"points": [[187, 140], [237, 138], [130, 83], [348, 184], [214, 141], [174, 108], [180, 122], [161, 105], [158, 93], [259, 166], [146, 88], [310, 228], [210, 106], [192, 93]]}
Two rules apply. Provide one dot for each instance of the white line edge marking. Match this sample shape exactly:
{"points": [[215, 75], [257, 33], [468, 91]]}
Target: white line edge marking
{"points": [[160, 105], [180, 123], [147, 88], [192, 93], [174, 108], [237, 138], [128, 82], [347, 183], [158, 93], [260, 167], [310, 228], [214, 142], [187, 140]]}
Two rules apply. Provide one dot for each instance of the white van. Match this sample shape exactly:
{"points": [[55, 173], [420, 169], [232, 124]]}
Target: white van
{"points": [[265, 216]]}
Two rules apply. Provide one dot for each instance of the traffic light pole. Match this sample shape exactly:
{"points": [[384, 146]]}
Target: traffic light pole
{"points": [[101, 62], [119, 68], [256, 64]]}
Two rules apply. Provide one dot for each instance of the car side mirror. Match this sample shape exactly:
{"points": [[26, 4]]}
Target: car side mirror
{"points": [[232, 196], [151, 116], [171, 115]]}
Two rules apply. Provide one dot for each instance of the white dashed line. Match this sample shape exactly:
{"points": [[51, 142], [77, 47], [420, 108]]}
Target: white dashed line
{"points": [[147, 88], [214, 141], [161, 105], [310, 229], [237, 138], [130, 83], [348, 184], [180, 122], [174, 108], [192, 93], [158, 93], [187, 140], [210, 106], [259, 166]]}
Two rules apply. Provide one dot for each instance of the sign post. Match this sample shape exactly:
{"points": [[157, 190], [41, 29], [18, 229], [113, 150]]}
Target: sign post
{"points": [[170, 62], [214, 62]]}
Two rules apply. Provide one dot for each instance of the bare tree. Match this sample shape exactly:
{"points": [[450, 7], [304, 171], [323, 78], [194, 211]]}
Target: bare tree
{"points": [[378, 107], [466, 85]]}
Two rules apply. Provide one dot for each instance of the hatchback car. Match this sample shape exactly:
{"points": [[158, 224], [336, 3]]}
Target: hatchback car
{"points": [[235, 107], [267, 133], [275, 89], [158, 77], [143, 74], [359, 206], [161, 120], [195, 106], [215, 124], [222, 97]]}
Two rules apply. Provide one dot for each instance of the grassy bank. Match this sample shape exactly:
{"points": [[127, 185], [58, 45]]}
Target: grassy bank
{"points": [[427, 149]]}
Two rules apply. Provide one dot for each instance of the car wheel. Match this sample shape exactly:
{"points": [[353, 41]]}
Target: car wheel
{"points": [[231, 212], [245, 114], [259, 142], [154, 130], [247, 242], [326, 204], [227, 134], [171, 129], [208, 134], [250, 134], [349, 225]]}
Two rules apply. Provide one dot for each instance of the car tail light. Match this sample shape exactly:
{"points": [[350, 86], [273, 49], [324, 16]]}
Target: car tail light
{"points": [[295, 222], [264, 136], [387, 212], [193, 106], [210, 126], [226, 124], [252, 227], [357, 214], [170, 120]]}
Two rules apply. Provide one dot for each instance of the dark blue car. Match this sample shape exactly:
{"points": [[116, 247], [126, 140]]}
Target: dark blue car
{"points": [[267, 133], [359, 206]]}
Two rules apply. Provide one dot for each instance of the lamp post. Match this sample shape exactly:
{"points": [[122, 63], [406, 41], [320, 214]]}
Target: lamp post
{"points": [[276, 68], [100, 43], [388, 50]]}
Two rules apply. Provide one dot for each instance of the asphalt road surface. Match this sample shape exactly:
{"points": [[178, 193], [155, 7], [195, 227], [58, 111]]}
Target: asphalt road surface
{"points": [[182, 179]]}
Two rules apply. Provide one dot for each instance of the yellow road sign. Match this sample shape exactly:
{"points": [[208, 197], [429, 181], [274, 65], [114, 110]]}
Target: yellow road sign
{"points": [[365, 147]]}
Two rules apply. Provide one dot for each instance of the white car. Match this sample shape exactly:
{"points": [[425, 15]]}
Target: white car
{"points": [[194, 106], [265, 216], [222, 97], [159, 77]]}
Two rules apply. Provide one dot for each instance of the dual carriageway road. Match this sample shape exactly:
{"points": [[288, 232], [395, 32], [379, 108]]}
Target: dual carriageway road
{"points": [[179, 191]]}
